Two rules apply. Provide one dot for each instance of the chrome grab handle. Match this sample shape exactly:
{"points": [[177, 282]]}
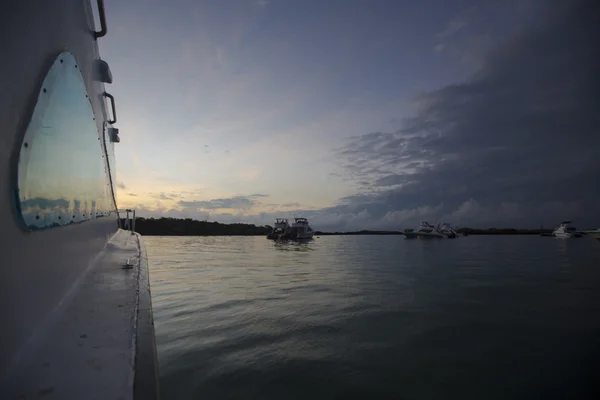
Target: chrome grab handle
{"points": [[102, 15], [114, 111]]}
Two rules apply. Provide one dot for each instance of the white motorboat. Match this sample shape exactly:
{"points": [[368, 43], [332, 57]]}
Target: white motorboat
{"points": [[280, 229], [300, 230], [424, 231], [447, 230], [565, 231]]}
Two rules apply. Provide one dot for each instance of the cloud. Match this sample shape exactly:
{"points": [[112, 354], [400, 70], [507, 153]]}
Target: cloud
{"points": [[164, 196], [455, 25], [145, 212], [513, 144], [473, 31], [236, 203], [516, 143], [131, 194], [453, 36], [289, 205], [438, 48]]}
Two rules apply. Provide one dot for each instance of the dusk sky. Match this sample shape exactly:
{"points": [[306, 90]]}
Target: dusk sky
{"points": [[370, 114]]}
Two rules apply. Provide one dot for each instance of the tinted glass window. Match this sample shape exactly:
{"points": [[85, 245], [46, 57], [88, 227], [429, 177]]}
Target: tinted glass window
{"points": [[62, 171]]}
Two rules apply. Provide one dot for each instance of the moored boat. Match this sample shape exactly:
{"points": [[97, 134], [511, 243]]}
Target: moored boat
{"points": [[424, 231], [447, 230], [565, 231], [300, 230], [280, 229], [593, 233]]}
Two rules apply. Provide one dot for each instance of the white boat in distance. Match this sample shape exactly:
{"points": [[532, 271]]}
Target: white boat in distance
{"points": [[280, 228], [447, 230], [564, 231], [593, 233], [301, 230], [424, 231]]}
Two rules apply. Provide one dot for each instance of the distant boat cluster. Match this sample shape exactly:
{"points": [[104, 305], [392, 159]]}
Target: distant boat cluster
{"points": [[298, 230], [566, 231], [429, 231], [301, 230]]}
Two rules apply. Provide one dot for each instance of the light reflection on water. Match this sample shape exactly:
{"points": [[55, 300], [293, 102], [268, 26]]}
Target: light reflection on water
{"points": [[375, 317]]}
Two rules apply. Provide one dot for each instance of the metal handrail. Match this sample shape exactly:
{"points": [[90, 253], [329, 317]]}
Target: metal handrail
{"points": [[110, 167], [102, 16], [114, 110]]}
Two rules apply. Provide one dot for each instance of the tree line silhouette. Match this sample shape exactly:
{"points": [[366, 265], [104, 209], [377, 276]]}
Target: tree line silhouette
{"points": [[191, 227]]}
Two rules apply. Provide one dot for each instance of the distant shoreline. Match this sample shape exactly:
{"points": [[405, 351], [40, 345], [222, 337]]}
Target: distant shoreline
{"points": [[468, 231], [191, 227]]}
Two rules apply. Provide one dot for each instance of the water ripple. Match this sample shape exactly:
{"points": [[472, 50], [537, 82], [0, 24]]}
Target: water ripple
{"points": [[375, 317]]}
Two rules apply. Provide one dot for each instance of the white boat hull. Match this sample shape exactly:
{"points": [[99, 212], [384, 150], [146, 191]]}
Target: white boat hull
{"points": [[305, 236], [423, 235], [562, 235], [566, 235], [595, 234]]}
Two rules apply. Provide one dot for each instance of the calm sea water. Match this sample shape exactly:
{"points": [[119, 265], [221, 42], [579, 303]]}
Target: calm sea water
{"points": [[504, 317]]}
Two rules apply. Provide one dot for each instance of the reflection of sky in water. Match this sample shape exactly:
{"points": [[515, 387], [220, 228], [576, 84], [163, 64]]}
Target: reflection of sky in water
{"points": [[385, 311], [292, 246], [61, 170]]}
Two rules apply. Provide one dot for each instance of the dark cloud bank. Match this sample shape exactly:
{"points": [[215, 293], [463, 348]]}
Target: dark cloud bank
{"points": [[516, 144]]}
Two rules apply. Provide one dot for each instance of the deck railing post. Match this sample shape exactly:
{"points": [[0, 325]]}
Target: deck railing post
{"points": [[133, 223], [126, 220]]}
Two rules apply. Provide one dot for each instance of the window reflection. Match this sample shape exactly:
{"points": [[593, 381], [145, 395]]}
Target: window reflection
{"points": [[62, 177]]}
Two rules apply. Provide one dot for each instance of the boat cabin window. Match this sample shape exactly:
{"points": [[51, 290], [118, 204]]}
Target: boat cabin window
{"points": [[62, 173]]}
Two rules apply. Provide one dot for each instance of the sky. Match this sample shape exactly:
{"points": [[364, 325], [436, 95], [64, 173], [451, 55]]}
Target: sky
{"points": [[358, 114]]}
